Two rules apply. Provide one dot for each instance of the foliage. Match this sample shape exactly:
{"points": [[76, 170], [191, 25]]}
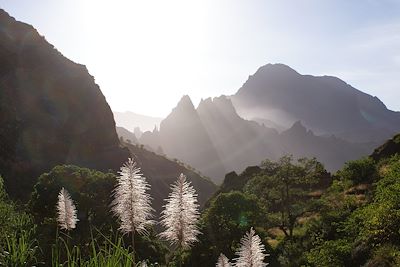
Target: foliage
{"points": [[359, 171], [223, 223], [91, 192], [18, 246], [331, 253], [109, 253], [285, 191]]}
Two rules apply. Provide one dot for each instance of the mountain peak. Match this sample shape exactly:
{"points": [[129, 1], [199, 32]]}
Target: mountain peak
{"points": [[185, 102], [298, 128], [276, 68]]}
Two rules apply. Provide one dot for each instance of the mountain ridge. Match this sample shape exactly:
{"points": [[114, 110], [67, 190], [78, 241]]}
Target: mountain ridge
{"points": [[325, 104], [239, 142]]}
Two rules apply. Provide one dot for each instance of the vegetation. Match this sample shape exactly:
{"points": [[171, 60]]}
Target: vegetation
{"points": [[301, 216]]}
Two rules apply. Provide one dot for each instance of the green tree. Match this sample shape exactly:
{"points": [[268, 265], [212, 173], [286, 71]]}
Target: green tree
{"points": [[359, 171], [223, 224], [286, 190]]}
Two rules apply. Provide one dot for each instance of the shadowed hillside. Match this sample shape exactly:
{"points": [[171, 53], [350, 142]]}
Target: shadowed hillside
{"points": [[161, 173], [51, 111]]}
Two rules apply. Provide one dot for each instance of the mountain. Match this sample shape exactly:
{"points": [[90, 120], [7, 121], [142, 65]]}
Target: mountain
{"points": [[326, 105], [215, 130], [51, 111], [238, 141], [126, 135], [130, 121], [183, 136], [332, 151]]}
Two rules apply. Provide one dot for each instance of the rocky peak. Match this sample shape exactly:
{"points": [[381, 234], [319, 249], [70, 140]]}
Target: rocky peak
{"points": [[185, 104]]}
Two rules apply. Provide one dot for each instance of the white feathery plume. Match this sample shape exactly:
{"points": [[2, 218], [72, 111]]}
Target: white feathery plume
{"points": [[181, 214], [223, 261], [66, 211], [132, 203], [251, 252], [143, 264]]}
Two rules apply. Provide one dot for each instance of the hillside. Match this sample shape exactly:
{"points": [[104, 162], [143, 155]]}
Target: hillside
{"points": [[162, 172], [51, 111], [390, 148], [126, 135]]}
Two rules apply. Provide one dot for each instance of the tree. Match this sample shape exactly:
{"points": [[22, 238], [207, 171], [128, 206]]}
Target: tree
{"points": [[223, 224], [181, 215], [251, 252], [286, 189], [359, 171], [132, 203]]}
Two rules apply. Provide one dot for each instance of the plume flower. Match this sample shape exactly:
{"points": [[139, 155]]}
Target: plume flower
{"points": [[181, 214], [251, 252], [132, 203], [223, 261], [66, 211]]}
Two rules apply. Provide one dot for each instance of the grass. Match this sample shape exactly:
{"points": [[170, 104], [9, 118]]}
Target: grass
{"points": [[108, 253], [20, 250]]}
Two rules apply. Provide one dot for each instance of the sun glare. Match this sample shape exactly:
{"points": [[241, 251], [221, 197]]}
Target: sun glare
{"points": [[152, 42]]}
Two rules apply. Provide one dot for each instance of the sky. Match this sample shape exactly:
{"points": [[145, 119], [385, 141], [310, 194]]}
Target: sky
{"points": [[146, 55]]}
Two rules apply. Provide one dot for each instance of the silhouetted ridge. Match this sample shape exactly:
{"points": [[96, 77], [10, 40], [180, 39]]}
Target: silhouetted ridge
{"points": [[51, 111]]}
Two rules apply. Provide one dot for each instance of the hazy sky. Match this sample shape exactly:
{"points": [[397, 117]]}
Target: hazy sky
{"points": [[146, 54]]}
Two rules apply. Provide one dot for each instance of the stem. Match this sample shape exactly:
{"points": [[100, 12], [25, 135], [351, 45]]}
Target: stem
{"points": [[133, 249], [180, 256]]}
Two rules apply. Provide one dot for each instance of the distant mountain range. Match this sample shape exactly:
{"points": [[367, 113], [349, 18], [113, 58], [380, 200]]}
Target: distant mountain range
{"points": [[287, 113], [52, 112], [214, 139], [131, 120]]}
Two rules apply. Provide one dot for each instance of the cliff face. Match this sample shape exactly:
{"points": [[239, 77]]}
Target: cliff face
{"points": [[51, 110]]}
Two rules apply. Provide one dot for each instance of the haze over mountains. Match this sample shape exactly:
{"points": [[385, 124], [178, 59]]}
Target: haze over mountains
{"points": [[287, 113], [326, 105], [215, 140], [131, 120]]}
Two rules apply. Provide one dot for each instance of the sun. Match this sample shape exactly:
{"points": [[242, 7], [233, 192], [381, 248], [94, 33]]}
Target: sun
{"points": [[160, 45]]}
